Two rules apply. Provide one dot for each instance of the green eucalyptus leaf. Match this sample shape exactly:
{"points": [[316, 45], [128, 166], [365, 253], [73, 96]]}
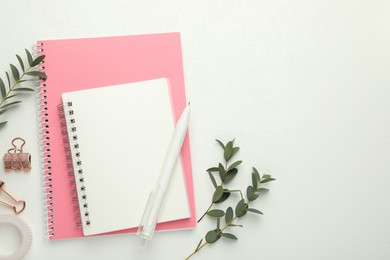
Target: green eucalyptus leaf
{"points": [[255, 211], [221, 144], [221, 169], [8, 79], [3, 123], [229, 215], [29, 57], [212, 236], [37, 74], [229, 236], [2, 88], [234, 165], [254, 197], [267, 180], [235, 150], [212, 169], [20, 61], [37, 60], [216, 213], [254, 181], [24, 89], [241, 208], [230, 175], [256, 174], [225, 196], [10, 96], [262, 190], [218, 223], [10, 104], [266, 176], [15, 72], [26, 79], [250, 192], [217, 193], [3, 111], [213, 180], [227, 153], [222, 172]]}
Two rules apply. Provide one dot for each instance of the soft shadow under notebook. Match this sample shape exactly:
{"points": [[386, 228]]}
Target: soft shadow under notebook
{"points": [[80, 64], [118, 139]]}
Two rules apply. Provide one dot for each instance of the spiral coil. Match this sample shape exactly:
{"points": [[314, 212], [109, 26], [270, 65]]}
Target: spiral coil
{"points": [[73, 161], [45, 153]]}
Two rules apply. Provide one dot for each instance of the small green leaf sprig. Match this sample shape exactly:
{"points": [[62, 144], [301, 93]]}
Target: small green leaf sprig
{"points": [[10, 92], [226, 174]]}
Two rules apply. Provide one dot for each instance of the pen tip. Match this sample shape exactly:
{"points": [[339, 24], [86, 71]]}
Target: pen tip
{"points": [[189, 103], [144, 242]]}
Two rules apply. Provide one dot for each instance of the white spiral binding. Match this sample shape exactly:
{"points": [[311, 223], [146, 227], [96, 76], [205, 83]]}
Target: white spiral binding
{"points": [[44, 149], [74, 163]]}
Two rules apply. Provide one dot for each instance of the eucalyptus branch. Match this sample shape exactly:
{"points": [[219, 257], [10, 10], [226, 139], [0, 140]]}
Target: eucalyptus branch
{"points": [[212, 203], [207, 210], [226, 174], [14, 89], [241, 208], [200, 245], [13, 86]]}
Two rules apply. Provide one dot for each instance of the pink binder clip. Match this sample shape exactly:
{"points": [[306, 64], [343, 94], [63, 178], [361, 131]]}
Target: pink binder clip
{"points": [[16, 159]]}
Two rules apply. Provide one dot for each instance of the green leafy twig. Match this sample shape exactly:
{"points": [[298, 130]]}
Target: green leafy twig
{"points": [[241, 208], [226, 174], [13, 90]]}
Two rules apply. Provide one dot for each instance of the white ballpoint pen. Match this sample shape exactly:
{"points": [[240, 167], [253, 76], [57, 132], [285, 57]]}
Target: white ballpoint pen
{"points": [[149, 218]]}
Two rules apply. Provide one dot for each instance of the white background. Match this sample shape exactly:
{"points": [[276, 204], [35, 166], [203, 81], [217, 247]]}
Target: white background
{"points": [[303, 86]]}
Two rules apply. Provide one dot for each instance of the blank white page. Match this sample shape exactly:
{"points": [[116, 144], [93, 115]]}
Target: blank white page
{"points": [[123, 134]]}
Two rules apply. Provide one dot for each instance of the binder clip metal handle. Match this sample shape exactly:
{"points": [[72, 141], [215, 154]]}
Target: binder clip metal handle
{"points": [[17, 205]]}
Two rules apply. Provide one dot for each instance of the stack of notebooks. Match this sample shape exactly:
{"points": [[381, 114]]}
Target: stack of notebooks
{"points": [[108, 111]]}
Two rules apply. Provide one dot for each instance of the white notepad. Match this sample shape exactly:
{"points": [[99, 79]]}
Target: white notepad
{"points": [[119, 136]]}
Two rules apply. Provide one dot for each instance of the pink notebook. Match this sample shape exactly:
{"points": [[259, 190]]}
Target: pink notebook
{"points": [[79, 64]]}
